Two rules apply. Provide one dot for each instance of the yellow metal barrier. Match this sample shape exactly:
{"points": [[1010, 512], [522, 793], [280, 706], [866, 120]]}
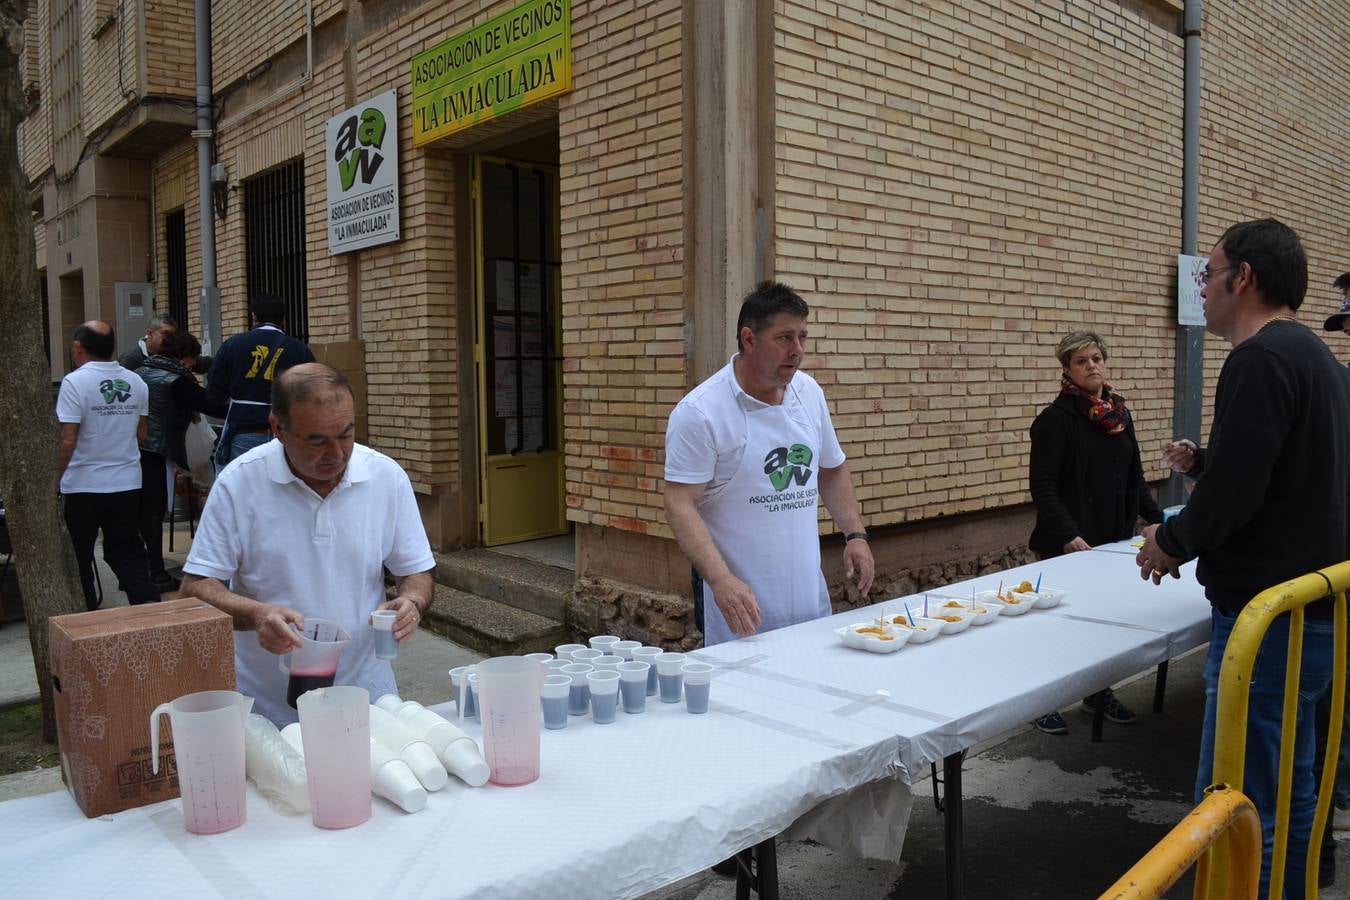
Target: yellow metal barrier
{"points": [[1224, 811], [1230, 738]]}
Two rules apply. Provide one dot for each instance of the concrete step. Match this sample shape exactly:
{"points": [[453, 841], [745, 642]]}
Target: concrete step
{"points": [[491, 628], [521, 583]]}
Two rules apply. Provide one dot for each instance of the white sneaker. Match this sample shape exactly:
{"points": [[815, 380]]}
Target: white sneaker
{"points": [[1341, 820]]}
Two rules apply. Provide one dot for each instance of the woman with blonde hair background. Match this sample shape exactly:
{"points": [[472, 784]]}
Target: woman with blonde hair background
{"points": [[1087, 481]]}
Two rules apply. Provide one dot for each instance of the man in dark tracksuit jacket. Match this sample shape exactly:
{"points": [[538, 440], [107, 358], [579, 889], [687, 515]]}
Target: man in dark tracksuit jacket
{"points": [[1270, 505], [242, 374]]}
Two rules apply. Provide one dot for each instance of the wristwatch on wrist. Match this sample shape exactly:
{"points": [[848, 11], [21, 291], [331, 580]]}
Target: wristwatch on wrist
{"points": [[855, 536]]}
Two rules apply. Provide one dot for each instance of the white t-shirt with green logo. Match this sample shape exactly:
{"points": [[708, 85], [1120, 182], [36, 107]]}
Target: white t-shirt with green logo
{"points": [[107, 402]]}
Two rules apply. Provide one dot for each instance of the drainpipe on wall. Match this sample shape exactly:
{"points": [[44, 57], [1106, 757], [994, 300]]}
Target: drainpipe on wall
{"points": [[210, 295], [1188, 383]]}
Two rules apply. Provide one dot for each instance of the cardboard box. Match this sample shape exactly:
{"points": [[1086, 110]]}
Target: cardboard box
{"points": [[110, 668]]}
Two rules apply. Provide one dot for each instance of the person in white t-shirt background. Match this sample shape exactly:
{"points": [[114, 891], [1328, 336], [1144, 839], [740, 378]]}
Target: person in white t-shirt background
{"points": [[306, 525], [750, 453], [102, 409]]}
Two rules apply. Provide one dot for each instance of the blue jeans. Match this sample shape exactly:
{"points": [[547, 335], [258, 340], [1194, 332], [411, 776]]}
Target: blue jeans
{"points": [[1261, 773], [233, 443]]}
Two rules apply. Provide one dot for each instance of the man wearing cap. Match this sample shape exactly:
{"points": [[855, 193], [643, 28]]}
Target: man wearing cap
{"points": [[305, 526], [750, 453], [1341, 320]]}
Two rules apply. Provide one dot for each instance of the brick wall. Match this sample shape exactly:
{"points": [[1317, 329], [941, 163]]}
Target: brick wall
{"points": [[170, 51], [174, 186], [244, 34], [35, 137], [110, 62], [622, 268], [959, 186]]}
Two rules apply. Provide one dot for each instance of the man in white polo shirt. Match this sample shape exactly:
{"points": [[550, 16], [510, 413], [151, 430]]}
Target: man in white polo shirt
{"points": [[305, 526], [749, 455], [102, 409]]}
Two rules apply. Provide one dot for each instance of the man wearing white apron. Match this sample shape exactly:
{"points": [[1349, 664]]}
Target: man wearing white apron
{"points": [[749, 453]]}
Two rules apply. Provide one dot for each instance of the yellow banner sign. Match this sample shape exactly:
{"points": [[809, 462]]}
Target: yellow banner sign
{"points": [[517, 59]]}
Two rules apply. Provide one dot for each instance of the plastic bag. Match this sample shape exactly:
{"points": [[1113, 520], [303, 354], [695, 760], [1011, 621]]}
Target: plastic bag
{"points": [[200, 443], [274, 766]]}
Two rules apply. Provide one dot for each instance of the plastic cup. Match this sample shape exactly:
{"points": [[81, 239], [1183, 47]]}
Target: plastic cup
{"points": [[472, 678], [604, 695], [553, 696], [610, 662], [565, 651], [697, 682], [386, 645], [335, 731], [669, 677], [633, 686], [649, 655], [555, 666], [604, 642], [586, 656], [579, 698], [463, 701], [542, 659], [625, 649]]}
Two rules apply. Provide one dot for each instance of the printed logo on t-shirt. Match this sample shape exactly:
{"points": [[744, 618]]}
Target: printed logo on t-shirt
{"points": [[115, 390], [259, 356], [785, 465]]}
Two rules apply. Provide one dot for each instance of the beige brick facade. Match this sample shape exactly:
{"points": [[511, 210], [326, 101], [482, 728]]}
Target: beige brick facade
{"points": [[952, 186]]}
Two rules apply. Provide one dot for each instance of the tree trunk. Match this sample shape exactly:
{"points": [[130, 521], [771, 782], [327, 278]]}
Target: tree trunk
{"points": [[43, 556]]}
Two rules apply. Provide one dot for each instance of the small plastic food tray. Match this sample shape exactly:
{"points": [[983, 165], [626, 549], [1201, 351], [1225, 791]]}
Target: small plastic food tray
{"points": [[984, 611], [924, 630], [1050, 597], [966, 618], [872, 643], [1025, 602]]}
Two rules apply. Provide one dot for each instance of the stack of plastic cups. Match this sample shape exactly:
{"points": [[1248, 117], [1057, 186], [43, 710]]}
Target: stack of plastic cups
{"points": [[633, 686], [579, 697], [554, 697], [697, 677], [649, 655], [603, 642], [604, 686], [625, 649], [669, 677]]}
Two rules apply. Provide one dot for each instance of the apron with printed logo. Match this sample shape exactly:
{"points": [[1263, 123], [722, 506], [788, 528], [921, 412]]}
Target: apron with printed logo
{"points": [[763, 521]]}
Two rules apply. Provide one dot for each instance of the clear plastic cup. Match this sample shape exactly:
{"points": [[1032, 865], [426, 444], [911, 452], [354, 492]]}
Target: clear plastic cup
{"points": [[565, 651], [472, 679], [386, 645], [555, 666], [649, 655], [609, 662], [604, 696], [579, 699], [697, 682], [463, 701], [603, 642], [553, 697], [625, 649], [586, 656], [669, 677], [542, 658], [633, 686]]}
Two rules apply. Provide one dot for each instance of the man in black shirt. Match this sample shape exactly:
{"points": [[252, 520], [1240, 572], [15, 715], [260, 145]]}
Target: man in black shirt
{"points": [[1270, 505], [242, 374]]}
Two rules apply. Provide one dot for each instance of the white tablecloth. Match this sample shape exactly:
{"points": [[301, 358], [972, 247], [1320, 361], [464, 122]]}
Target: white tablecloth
{"points": [[620, 810]]}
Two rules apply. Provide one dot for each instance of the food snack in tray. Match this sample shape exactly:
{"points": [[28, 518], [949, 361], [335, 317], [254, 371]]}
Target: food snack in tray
{"points": [[1026, 587]]}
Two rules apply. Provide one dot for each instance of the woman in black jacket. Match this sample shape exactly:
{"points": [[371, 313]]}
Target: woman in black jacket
{"points": [[1087, 481]]}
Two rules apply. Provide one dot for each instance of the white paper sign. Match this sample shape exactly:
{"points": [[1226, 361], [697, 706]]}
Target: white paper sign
{"points": [[1190, 308], [361, 160]]}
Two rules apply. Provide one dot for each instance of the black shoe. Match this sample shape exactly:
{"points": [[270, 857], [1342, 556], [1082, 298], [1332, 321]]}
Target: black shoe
{"points": [[1326, 870], [1115, 711]]}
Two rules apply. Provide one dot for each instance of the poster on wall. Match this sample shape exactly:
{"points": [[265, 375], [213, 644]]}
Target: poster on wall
{"points": [[1190, 306], [361, 162]]}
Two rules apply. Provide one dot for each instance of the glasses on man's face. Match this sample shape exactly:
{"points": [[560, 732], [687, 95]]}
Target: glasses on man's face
{"points": [[1204, 275]]}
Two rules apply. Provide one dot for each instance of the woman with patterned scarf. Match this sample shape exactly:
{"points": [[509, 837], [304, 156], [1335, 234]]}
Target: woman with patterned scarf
{"points": [[1087, 481]]}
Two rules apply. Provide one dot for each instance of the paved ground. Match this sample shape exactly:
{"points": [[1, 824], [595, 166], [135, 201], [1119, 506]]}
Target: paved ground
{"points": [[1046, 817]]}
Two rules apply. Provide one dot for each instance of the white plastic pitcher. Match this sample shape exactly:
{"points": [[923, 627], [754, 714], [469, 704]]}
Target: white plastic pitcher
{"points": [[508, 700], [335, 732], [208, 747]]}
